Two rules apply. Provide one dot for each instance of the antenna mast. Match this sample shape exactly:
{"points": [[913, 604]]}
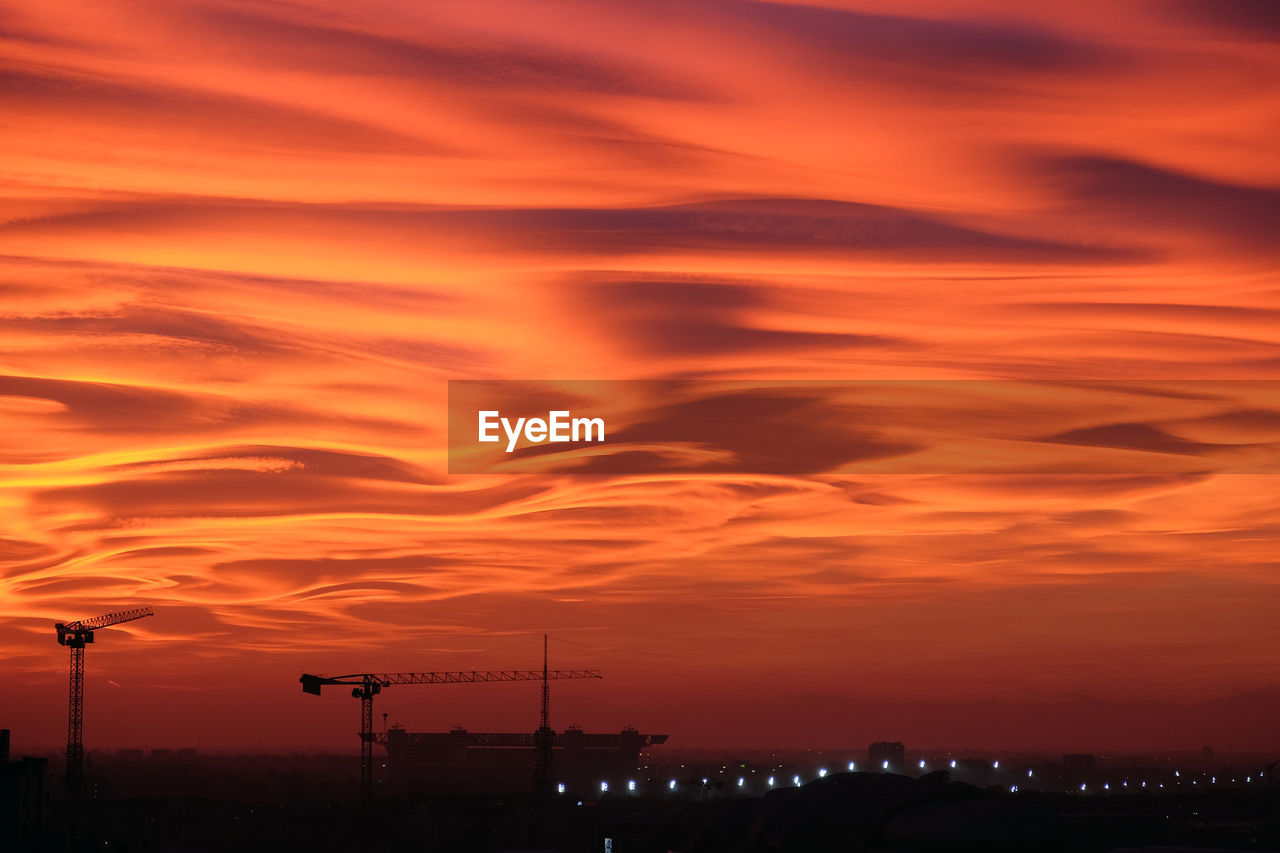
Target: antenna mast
{"points": [[546, 688], [544, 739]]}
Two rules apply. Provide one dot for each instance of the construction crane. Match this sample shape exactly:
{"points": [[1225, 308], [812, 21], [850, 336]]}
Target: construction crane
{"points": [[366, 685], [75, 635]]}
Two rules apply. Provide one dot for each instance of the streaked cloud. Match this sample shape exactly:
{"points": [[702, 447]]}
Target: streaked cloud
{"points": [[243, 248]]}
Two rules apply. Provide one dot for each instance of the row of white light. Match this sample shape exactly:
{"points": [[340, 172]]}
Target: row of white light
{"points": [[822, 772]]}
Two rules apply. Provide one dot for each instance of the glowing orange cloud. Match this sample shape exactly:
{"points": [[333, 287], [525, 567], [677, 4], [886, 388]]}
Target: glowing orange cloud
{"points": [[243, 248]]}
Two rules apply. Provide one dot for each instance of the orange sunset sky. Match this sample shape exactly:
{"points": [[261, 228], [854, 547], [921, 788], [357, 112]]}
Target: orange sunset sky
{"points": [[244, 247]]}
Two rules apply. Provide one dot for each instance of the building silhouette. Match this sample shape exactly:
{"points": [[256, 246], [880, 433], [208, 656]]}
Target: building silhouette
{"points": [[887, 755], [460, 760], [24, 800]]}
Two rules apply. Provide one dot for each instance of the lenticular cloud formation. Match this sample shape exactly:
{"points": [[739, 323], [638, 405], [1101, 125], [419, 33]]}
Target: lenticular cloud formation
{"points": [[244, 247]]}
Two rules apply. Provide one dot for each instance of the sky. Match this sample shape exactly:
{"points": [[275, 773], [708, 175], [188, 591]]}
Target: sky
{"points": [[245, 246]]}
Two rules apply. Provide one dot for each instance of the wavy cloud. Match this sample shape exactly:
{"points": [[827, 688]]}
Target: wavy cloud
{"points": [[244, 247]]}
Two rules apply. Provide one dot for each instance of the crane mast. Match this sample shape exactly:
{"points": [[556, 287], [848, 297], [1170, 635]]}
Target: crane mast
{"points": [[366, 685], [75, 635]]}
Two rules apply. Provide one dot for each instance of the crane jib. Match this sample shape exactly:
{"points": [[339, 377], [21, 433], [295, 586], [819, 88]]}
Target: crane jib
{"points": [[313, 683], [108, 619]]}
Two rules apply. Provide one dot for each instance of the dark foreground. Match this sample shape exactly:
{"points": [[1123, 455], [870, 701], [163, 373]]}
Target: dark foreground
{"points": [[846, 812]]}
